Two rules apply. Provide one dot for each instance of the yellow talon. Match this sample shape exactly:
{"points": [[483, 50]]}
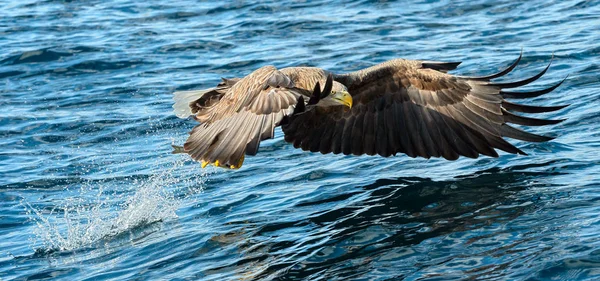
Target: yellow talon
{"points": [[239, 165], [204, 163]]}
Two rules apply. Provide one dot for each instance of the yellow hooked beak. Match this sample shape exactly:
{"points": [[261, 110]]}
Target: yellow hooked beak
{"points": [[343, 98]]}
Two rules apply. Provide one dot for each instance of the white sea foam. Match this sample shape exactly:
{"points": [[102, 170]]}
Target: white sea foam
{"points": [[94, 214]]}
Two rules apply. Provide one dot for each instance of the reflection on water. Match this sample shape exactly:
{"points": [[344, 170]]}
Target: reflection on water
{"points": [[396, 220]]}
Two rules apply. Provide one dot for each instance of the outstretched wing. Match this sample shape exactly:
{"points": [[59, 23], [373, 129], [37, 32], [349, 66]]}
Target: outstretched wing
{"points": [[246, 114], [414, 107]]}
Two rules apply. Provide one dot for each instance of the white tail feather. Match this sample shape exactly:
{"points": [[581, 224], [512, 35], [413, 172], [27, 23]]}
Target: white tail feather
{"points": [[182, 99]]}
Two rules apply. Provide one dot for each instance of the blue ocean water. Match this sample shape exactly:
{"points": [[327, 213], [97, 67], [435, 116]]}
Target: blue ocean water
{"points": [[90, 191]]}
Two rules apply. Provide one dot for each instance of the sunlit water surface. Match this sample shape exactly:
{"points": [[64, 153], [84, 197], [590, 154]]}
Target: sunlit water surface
{"points": [[90, 191]]}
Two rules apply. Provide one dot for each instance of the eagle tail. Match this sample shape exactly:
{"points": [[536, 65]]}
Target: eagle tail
{"points": [[182, 99]]}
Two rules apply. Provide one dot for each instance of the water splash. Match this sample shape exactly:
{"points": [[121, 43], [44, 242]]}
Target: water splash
{"points": [[84, 220]]}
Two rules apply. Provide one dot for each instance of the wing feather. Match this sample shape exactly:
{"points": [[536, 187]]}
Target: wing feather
{"points": [[413, 128], [357, 133], [391, 126], [403, 131], [381, 140], [338, 136], [347, 135], [369, 132]]}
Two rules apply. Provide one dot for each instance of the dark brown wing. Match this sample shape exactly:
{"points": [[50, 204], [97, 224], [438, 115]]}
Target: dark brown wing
{"points": [[245, 115], [415, 108]]}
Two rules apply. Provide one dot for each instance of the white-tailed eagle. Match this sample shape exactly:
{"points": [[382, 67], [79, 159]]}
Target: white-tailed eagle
{"points": [[399, 106]]}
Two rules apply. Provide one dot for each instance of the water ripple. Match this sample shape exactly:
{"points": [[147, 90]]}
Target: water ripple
{"points": [[89, 189]]}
